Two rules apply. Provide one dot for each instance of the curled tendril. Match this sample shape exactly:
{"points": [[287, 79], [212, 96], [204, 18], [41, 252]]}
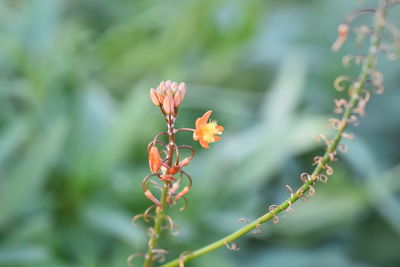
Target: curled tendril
{"points": [[349, 18], [318, 161], [323, 137], [190, 148], [159, 254], [390, 52], [131, 257], [393, 30], [186, 189], [275, 219], [332, 156], [234, 246], [328, 169], [339, 104], [311, 191], [393, 2], [377, 81], [150, 233], [323, 178], [144, 215], [185, 204], [304, 177], [242, 220], [358, 59], [342, 148], [362, 102], [336, 123], [305, 198], [349, 136], [289, 209], [173, 228], [361, 33], [147, 192], [170, 223], [182, 258], [353, 120], [258, 229], [271, 208], [339, 81], [290, 190], [156, 139]]}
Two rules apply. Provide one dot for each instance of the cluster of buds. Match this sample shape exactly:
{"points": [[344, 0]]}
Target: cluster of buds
{"points": [[168, 96], [167, 167]]}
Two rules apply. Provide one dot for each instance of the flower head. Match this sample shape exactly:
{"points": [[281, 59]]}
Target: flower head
{"points": [[205, 131], [169, 95]]}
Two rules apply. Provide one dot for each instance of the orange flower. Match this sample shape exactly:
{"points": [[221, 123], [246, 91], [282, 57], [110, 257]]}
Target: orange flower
{"points": [[154, 159], [205, 131]]}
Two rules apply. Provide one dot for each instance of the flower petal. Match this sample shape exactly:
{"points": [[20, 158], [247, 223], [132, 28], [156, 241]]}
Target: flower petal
{"points": [[203, 120], [203, 143], [220, 128]]}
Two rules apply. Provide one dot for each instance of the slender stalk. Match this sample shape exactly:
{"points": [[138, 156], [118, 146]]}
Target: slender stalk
{"points": [[356, 89], [157, 229], [160, 211]]}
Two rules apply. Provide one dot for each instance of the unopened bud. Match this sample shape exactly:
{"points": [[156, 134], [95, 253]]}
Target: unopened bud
{"points": [[178, 98], [184, 162], [168, 104], [154, 159], [343, 31], [174, 86], [182, 89], [154, 98]]}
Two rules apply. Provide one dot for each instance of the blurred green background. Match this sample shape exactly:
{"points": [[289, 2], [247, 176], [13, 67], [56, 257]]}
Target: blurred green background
{"points": [[75, 119]]}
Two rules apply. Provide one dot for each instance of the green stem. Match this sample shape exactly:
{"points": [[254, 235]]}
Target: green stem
{"points": [[157, 228], [357, 89]]}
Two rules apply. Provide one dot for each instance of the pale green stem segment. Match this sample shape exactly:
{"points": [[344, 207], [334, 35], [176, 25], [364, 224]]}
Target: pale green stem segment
{"points": [[356, 89], [157, 228]]}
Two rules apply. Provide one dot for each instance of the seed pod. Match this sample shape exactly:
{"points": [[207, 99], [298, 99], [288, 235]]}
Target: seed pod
{"points": [[154, 159]]}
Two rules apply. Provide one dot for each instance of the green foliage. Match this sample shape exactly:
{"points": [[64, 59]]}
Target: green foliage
{"points": [[75, 119]]}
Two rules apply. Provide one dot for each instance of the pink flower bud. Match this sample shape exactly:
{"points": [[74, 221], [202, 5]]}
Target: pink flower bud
{"points": [[182, 89], [168, 104], [154, 98], [178, 98]]}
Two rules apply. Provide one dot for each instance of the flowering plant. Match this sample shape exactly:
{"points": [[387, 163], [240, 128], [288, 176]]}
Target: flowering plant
{"points": [[168, 176]]}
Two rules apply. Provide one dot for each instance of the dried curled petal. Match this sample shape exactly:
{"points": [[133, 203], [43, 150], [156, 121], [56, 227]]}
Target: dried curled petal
{"points": [[343, 31]]}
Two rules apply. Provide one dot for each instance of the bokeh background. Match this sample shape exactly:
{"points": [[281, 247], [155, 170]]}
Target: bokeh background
{"points": [[75, 119]]}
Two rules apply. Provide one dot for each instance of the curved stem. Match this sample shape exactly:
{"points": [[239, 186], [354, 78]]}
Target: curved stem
{"points": [[185, 129], [356, 89]]}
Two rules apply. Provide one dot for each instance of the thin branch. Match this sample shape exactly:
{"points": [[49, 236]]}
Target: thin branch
{"points": [[357, 90]]}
